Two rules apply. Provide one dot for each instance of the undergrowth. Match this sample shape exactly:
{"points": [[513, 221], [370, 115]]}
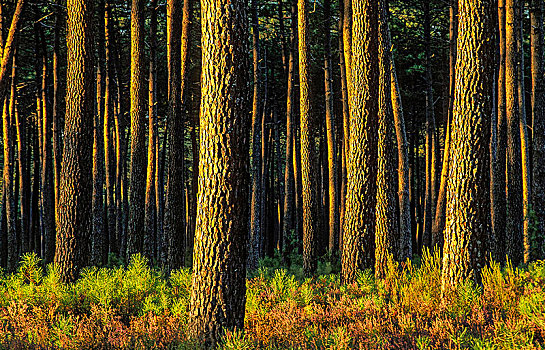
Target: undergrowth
{"points": [[138, 307]]}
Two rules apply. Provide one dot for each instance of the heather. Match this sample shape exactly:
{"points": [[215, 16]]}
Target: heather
{"points": [[138, 307]]}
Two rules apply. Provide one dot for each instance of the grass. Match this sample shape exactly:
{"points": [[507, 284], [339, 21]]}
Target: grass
{"points": [[137, 307]]}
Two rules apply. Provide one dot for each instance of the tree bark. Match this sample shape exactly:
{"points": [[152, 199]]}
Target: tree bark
{"points": [[468, 216], [137, 176], [219, 259], [359, 236], [74, 211]]}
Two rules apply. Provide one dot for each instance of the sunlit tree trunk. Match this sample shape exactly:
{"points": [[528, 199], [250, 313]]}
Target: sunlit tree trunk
{"points": [[387, 220], [75, 193], [538, 122], [524, 145], [99, 249], [330, 129], [439, 221], [218, 294], [174, 196], [137, 175], [359, 236], [308, 171], [150, 233], [257, 116], [514, 225], [468, 216], [289, 176]]}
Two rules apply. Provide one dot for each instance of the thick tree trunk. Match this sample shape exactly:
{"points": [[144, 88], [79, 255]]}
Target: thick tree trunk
{"points": [[387, 224], [219, 289], [74, 211], [359, 235], [468, 214]]}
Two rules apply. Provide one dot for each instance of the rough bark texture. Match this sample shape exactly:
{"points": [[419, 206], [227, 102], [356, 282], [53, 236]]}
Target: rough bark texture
{"points": [[137, 174], [468, 216], [150, 232], [538, 123], [257, 202], [289, 176], [404, 246], [174, 196], [439, 221], [218, 294], [387, 224], [499, 160], [74, 211], [513, 230], [333, 192], [308, 171], [99, 248], [8, 168], [359, 238]]}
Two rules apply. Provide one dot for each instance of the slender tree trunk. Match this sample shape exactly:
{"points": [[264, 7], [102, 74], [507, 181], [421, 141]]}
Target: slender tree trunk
{"points": [[404, 247], [499, 164], [429, 201], [439, 221], [359, 236], [538, 123], [219, 290], [99, 248], [57, 100], [310, 227], [109, 144], [289, 176], [174, 196], [468, 214], [330, 129], [514, 225], [387, 225], [137, 176], [524, 142], [9, 200], [75, 193], [150, 234], [257, 115]]}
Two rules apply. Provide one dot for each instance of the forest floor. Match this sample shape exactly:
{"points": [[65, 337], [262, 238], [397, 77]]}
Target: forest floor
{"points": [[136, 307]]}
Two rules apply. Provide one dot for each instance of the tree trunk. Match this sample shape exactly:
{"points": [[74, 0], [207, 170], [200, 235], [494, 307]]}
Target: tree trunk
{"points": [[514, 223], [439, 221], [404, 247], [468, 214], [150, 233], [359, 236], [289, 175], [330, 129], [499, 164], [137, 176], [174, 196], [308, 171], [218, 292], [99, 248], [538, 123], [257, 115], [387, 225], [74, 211]]}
